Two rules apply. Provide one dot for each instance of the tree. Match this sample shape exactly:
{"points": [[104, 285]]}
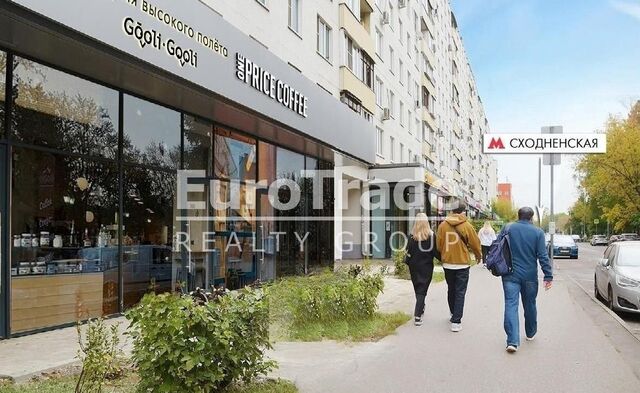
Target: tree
{"points": [[612, 180], [504, 209]]}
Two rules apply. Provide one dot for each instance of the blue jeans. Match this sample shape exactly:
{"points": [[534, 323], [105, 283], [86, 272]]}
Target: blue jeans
{"points": [[528, 291]]}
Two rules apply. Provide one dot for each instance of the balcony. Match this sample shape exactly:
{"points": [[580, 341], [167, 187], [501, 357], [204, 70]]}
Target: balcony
{"points": [[358, 30], [427, 150], [426, 82], [429, 118], [351, 83]]}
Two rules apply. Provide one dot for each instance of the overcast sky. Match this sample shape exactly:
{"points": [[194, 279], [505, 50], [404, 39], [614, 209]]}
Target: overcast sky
{"points": [[541, 62]]}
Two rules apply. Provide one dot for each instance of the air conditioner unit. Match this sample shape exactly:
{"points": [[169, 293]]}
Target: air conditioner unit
{"points": [[385, 18], [417, 103], [402, 3], [433, 150], [386, 114]]}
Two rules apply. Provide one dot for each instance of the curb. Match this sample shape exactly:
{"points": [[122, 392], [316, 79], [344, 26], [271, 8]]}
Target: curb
{"points": [[611, 313]]}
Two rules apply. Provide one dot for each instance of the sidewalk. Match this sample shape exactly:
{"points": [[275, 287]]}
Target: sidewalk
{"points": [[27, 356], [570, 353]]}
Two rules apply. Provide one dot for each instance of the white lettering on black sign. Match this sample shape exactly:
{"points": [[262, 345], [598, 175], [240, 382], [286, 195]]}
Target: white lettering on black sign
{"points": [[263, 81]]}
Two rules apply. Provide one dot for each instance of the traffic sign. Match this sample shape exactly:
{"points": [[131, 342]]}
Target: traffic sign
{"points": [[596, 221]]}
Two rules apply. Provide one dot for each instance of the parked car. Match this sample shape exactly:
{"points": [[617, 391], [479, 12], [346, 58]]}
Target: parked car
{"points": [[564, 246], [576, 238], [617, 276], [627, 237], [613, 239], [599, 240]]}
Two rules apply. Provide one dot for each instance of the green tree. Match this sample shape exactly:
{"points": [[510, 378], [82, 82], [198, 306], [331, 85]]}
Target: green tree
{"points": [[504, 209], [612, 180]]}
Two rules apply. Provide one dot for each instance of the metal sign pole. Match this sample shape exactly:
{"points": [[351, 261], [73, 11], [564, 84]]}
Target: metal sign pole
{"points": [[551, 160]]}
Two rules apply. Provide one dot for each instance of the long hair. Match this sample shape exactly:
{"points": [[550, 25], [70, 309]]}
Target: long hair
{"points": [[487, 227], [421, 228]]}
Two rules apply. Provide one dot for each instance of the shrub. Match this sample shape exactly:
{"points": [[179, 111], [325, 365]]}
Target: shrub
{"points": [[183, 345], [101, 355], [401, 268], [326, 297]]}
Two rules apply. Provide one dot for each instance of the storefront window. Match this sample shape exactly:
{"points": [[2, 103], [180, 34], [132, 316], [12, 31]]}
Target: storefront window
{"points": [[148, 230], [63, 112], [151, 134], [198, 144], [235, 156], [3, 76], [64, 259]]}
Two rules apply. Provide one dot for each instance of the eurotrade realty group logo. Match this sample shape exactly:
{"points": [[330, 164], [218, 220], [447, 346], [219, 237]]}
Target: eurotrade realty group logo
{"points": [[544, 143]]}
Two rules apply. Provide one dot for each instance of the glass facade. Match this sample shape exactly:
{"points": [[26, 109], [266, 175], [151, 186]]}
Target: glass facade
{"points": [[95, 224]]}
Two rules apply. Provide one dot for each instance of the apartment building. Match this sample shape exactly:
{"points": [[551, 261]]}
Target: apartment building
{"points": [[401, 64], [102, 115]]}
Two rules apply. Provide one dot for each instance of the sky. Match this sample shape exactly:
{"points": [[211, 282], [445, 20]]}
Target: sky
{"points": [[542, 62]]}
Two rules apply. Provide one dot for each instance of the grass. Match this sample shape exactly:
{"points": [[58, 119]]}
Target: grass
{"points": [[67, 384], [373, 329]]}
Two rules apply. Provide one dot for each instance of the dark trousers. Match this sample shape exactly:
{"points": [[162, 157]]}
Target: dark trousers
{"points": [[457, 280], [421, 278], [485, 251]]}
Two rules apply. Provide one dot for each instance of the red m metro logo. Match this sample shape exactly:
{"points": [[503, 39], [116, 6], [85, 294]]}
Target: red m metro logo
{"points": [[496, 143]]}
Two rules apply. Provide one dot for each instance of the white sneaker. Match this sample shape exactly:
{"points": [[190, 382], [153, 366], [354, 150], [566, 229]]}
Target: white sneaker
{"points": [[512, 349], [417, 321], [531, 338], [456, 327]]}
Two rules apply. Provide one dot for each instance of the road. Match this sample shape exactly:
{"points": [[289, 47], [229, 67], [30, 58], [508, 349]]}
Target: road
{"points": [[582, 271]]}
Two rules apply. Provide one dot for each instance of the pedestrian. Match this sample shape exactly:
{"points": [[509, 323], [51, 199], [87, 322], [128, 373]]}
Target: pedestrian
{"points": [[528, 248], [421, 249], [487, 236], [455, 237]]}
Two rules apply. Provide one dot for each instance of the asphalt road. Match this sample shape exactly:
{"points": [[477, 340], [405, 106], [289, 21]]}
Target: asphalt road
{"points": [[582, 271]]}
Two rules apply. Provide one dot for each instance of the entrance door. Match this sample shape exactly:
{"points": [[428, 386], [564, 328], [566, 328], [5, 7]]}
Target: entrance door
{"points": [[4, 246]]}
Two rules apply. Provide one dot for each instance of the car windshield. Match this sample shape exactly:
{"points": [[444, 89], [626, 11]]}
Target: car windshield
{"points": [[629, 256], [563, 240]]}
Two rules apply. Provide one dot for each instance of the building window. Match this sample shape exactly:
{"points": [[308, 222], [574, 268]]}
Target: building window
{"points": [[379, 43], [379, 91], [400, 31], [354, 6], [401, 152], [294, 15], [391, 16], [392, 60], [409, 155], [409, 122], [392, 148], [324, 39], [455, 94], [409, 45], [400, 70], [401, 113], [409, 82], [263, 2], [351, 101], [392, 100], [379, 140], [358, 62]]}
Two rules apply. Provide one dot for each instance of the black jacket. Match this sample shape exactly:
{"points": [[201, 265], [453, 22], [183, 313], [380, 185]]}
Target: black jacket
{"points": [[420, 260]]}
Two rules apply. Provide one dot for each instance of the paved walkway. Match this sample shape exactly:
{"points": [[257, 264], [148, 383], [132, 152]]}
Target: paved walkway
{"points": [[570, 353]]}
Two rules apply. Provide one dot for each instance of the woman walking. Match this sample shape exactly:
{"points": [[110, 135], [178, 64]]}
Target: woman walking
{"points": [[421, 249], [487, 236]]}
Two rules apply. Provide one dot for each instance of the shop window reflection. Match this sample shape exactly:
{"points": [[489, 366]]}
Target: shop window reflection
{"points": [[198, 142], [64, 259], [151, 134], [235, 156], [63, 112], [235, 231], [147, 238], [3, 77]]}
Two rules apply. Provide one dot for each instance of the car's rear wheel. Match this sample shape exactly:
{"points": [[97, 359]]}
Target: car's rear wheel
{"points": [[610, 299]]}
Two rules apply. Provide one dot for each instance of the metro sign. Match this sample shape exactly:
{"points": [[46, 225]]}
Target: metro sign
{"points": [[585, 143], [496, 144]]}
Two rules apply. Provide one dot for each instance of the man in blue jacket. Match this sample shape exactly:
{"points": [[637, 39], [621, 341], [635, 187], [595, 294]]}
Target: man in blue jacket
{"points": [[528, 247]]}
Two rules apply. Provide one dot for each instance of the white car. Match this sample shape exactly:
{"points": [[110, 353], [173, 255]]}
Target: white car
{"points": [[617, 277]]}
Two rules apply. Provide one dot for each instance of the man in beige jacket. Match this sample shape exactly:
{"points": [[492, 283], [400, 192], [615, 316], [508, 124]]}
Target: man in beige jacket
{"points": [[454, 239]]}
